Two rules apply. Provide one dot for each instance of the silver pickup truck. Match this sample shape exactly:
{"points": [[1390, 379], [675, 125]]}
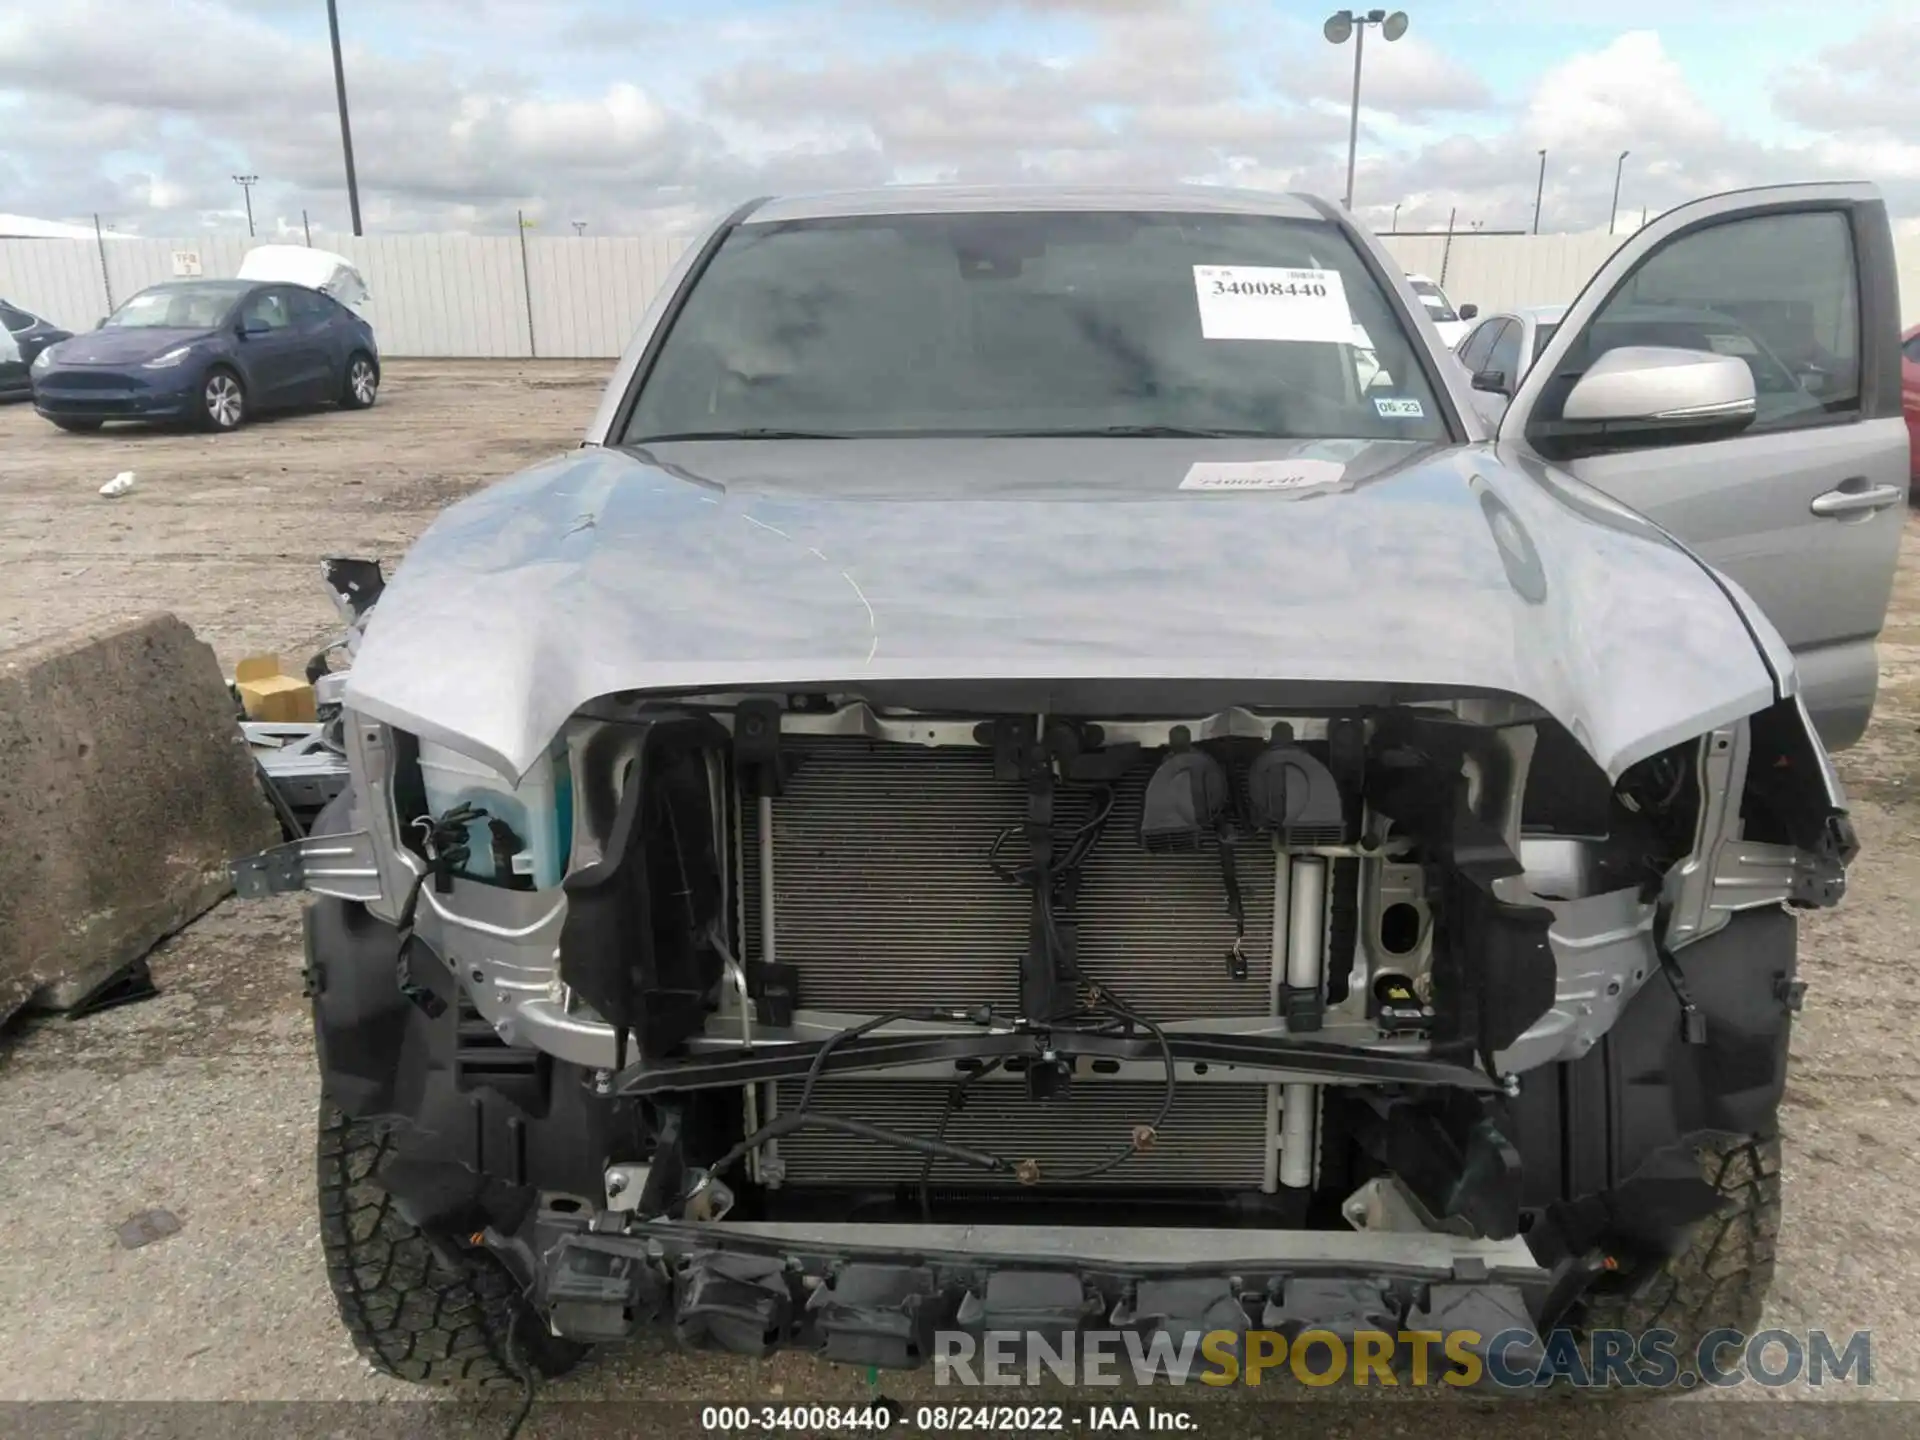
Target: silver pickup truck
{"points": [[1046, 766]]}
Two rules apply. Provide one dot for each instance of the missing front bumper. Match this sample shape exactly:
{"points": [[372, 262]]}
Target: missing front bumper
{"points": [[887, 1295]]}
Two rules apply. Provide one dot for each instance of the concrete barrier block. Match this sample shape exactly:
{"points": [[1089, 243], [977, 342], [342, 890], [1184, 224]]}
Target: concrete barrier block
{"points": [[125, 787]]}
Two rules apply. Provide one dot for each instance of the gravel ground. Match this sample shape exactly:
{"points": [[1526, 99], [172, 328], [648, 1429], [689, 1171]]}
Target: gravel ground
{"points": [[202, 1101]]}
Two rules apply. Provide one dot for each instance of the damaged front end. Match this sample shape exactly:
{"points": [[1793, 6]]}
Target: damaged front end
{"points": [[836, 1019]]}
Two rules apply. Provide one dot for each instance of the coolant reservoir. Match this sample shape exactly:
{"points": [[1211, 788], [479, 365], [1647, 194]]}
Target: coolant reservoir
{"points": [[539, 808]]}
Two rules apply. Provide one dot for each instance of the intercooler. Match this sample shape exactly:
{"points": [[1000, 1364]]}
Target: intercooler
{"points": [[884, 898], [883, 895]]}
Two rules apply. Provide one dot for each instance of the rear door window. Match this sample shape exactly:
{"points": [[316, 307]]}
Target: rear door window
{"points": [[310, 308]]}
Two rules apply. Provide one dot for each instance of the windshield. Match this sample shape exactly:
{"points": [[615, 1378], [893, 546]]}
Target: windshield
{"points": [[1439, 308], [1036, 324], [174, 307]]}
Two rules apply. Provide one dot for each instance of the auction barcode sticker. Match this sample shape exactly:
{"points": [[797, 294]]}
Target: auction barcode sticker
{"points": [[1264, 302], [1262, 474]]}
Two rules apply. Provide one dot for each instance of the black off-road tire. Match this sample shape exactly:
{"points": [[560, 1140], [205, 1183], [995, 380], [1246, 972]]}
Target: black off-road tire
{"points": [[1720, 1280], [432, 1313]]}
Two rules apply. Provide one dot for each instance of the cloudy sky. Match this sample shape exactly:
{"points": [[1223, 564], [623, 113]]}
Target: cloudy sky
{"points": [[655, 112]]}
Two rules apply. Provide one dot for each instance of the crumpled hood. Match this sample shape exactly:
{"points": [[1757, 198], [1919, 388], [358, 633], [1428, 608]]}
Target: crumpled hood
{"points": [[130, 345], [815, 563]]}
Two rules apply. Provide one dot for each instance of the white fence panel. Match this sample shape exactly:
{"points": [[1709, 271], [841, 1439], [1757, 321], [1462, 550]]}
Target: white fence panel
{"points": [[1418, 254], [1499, 272], [590, 292], [59, 279], [442, 295], [467, 295]]}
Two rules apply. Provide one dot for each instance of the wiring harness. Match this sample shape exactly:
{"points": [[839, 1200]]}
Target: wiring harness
{"points": [[1095, 1009]]}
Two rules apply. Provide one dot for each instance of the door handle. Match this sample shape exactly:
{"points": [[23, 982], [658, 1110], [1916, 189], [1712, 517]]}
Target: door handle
{"points": [[1853, 502]]}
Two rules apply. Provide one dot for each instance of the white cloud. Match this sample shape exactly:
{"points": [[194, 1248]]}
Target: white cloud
{"points": [[1863, 85], [1627, 95], [622, 121], [1606, 101], [143, 111], [1409, 77]]}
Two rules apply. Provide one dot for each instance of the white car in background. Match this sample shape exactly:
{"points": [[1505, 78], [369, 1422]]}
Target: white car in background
{"points": [[1451, 323], [1499, 350], [1515, 338]]}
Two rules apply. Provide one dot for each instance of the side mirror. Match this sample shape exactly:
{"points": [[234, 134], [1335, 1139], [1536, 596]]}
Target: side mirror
{"points": [[1494, 382], [1642, 393], [247, 329], [1469, 312], [101, 323]]}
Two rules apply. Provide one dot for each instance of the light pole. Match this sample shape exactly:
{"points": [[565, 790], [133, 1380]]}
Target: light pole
{"points": [[346, 130], [246, 183], [1613, 210], [1339, 26], [1393, 227], [579, 228], [1539, 190]]}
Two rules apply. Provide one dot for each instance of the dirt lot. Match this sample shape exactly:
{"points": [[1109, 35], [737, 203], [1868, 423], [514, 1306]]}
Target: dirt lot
{"points": [[202, 1101]]}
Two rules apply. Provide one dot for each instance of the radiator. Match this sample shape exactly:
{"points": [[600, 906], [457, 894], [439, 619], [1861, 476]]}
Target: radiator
{"points": [[883, 897]]}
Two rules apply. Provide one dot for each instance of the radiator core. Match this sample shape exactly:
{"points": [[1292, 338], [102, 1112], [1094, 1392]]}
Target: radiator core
{"points": [[883, 896]]}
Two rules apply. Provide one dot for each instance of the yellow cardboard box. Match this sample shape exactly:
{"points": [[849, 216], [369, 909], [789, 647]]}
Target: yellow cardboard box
{"points": [[269, 695]]}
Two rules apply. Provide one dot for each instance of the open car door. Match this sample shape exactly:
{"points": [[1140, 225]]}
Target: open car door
{"points": [[1796, 491]]}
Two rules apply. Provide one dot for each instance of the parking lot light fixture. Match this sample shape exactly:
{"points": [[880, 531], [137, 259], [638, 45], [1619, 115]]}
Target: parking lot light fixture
{"points": [[1340, 25], [346, 128], [1613, 210], [246, 183]]}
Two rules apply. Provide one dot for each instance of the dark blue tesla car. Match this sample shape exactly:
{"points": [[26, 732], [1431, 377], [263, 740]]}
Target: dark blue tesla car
{"points": [[211, 353]]}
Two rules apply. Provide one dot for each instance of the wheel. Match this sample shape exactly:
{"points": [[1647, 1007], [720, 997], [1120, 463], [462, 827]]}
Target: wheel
{"points": [[1625, 1129], [77, 427], [223, 400], [362, 385], [426, 1309], [1720, 1279]]}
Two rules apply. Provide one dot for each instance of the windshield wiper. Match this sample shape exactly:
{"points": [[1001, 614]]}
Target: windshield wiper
{"points": [[1121, 432], [1145, 432], [752, 433]]}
